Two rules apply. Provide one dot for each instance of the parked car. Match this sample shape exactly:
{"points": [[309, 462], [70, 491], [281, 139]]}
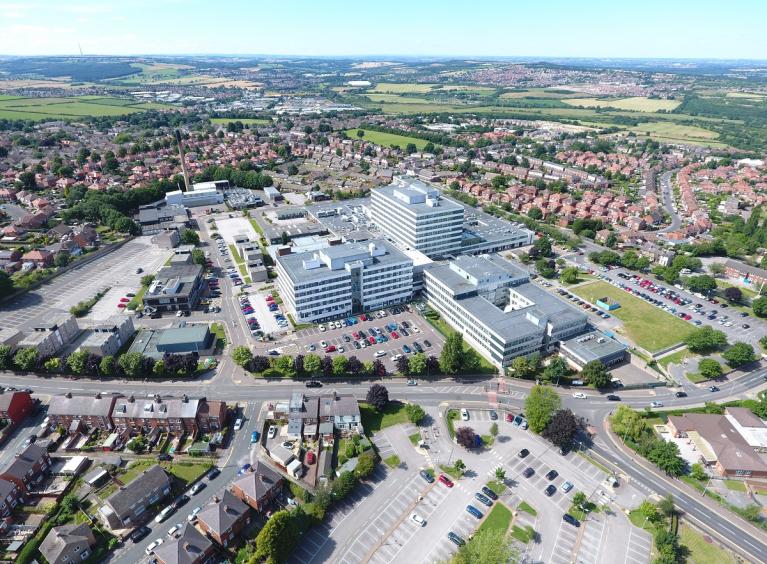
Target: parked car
{"points": [[455, 539], [427, 476], [474, 511], [420, 521], [192, 517], [152, 545], [164, 514], [213, 473], [550, 489], [140, 533], [174, 529], [567, 518], [238, 424], [446, 481], [272, 431], [551, 474], [483, 499], [197, 488], [180, 501], [493, 415], [566, 487], [528, 472], [523, 453], [464, 414], [489, 493]]}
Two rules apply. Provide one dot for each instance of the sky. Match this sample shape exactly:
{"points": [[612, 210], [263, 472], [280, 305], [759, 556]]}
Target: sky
{"points": [[673, 29]]}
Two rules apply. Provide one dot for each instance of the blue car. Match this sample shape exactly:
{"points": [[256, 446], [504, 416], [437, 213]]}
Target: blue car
{"points": [[254, 437], [474, 511], [405, 349]]}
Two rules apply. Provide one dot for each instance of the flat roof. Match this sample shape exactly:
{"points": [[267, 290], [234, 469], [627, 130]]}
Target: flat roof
{"points": [[413, 194], [593, 346]]}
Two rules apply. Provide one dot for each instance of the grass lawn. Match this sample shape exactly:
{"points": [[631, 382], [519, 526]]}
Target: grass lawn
{"points": [[387, 139], [187, 472], [527, 508], [53, 108], [392, 461], [487, 440], [675, 358], [402, 88], [374, 421], [498, 519], [702, 551], [695, 377], [451, 471], [415, 438], [135, 468], [648, 326], [524, 535], [496, 486], [452, 417], [635, 103], [735, 485], [220, 335]]}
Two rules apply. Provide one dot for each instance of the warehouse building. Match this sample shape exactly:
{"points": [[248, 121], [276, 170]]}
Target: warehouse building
{"points": [[176, 340], [496, 308], [340, 280]]}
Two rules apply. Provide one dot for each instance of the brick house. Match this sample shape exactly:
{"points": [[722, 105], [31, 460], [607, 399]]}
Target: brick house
{"points": [[126, 507], [224, 520], [28, 468], [39, 257], [258, 487], [172, 415], [191, 547], [68, 543], [92, 411], [16, 406], [10, 497], [211, 416]]}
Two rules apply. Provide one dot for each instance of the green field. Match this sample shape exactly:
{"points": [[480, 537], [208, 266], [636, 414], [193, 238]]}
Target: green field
{"points": [[648, 326], [387, 139], [701, 550], [678, 133], [498, 519], [633, 104], [244, 121], [402, 88], [39, 109], [540, 93], [397, 99]]}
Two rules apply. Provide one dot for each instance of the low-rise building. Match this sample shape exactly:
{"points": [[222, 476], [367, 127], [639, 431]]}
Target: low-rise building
{"points": [[15, 406], [190, 547], [499, 312], [343, 411], [747, 274], [258, 487], [340, 280], [10, 496], [94, 412], [67, 544], [173, 415], [51, 336], [175, 287], [189, 339], [108, 338], [224, 519], [595, 345], [28, 468], [126, 507]]}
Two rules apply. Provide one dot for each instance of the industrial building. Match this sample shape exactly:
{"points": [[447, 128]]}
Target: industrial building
{"points": [[416, 215], [340, 280], [499, 312], [176, 340]]}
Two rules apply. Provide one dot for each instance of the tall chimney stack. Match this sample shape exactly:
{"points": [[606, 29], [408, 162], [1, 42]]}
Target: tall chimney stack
{"points": [[182, 156]]}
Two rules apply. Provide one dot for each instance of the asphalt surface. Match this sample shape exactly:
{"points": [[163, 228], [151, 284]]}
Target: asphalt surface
{"points": [[667, 197]]}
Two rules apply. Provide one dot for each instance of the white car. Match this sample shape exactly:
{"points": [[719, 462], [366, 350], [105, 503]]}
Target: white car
{"points": [[579, 395], [238, 424], [322, 328], [174, 529], [379, 354], [656, 404], [415, 329], [272, 432], [464, 414], [164, 514], [152, 545], [193, 515], [418, 519], [323, 344], [179, 313], [341, 349]]}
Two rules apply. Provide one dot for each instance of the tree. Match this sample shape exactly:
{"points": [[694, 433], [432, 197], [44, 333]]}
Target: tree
{"points": [[284, 365], [312, 364], [540, 406], [354, 366], [241, 355], [61, 259], [5, 357], [702, 284], [6, 284], [432, 365], [76, 361], [666, 505], [739, 354], [733, 294], [569, 275], [278, 537], [344, 485], [561, 429], [403, 365], [53, 364], [487, 546], [555, 370], [378, 396], [705, 339], [378, 370], [366, 463], [459, 465], [25, 359], [298, 364], [258, 364], [189, 237], [546, 267], [595, 374], [466, 437], [523, 367], [410, 148], [535, 213], [451, 358], [147, 279], [107, 365], [665, 455], [697, 472], [649, 511], [500, 474], [717, 268], [628, 423], [542, 246], [417, 364], [340, 364], [759, 305], [131, 364], [579, 498], [360, 133], [198, 257], [494, 429], [709, 368], [415, 413], [159, 368]]}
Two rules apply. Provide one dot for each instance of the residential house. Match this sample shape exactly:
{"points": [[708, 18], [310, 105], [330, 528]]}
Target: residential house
{"points": [[126, 507], [343, 411], [39, 257], [258, 487], [756, 277], [225, 519], [173, 415], [28, 468], [68, 544], [211, 415], [190, 547], [10, 496], [94, 412], [15, 406]]}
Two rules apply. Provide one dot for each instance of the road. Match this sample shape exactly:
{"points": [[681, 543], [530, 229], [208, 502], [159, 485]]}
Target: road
{"points": [[667, 196]]}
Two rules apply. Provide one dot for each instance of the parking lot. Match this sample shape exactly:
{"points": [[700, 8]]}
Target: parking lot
{"points": [[417, 330], [117, 269]]}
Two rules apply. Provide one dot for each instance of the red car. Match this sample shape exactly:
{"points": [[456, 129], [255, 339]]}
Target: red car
{"points": [[445, 480], [330, 349], [509, 418], [356, 336], [372, 340], [363, 317], [394, 335]]}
